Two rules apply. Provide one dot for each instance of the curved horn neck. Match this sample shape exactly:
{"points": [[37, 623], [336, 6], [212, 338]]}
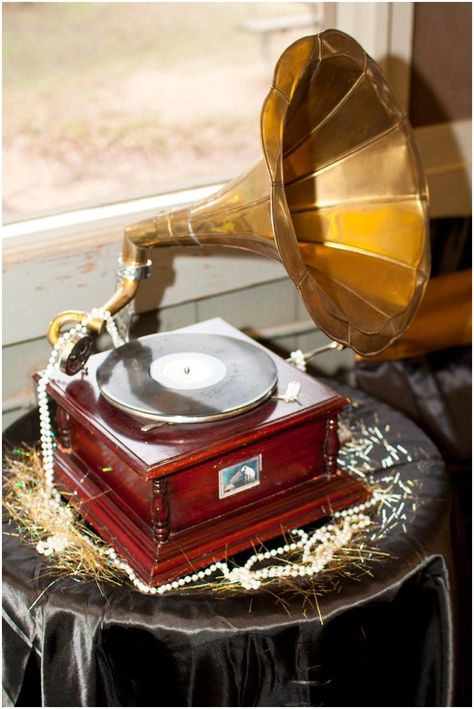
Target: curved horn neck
{"points": [[237, 216]]}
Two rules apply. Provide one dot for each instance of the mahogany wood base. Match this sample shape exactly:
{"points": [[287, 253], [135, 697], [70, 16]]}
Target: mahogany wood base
{"points": [[198, 546], [176, 498]]}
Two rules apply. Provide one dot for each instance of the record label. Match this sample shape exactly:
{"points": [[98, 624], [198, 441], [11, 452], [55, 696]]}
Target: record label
{"points": [[187, 378], [187, 370]]}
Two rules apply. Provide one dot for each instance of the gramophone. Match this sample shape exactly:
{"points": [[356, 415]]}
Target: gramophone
{"points": [[182, 448]]}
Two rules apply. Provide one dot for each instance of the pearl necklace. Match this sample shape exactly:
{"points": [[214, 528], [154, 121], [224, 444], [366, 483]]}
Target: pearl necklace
{"points": [[316, 549]]}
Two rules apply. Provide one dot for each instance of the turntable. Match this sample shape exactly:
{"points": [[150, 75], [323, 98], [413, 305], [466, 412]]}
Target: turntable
{"points": [[183, 448]]}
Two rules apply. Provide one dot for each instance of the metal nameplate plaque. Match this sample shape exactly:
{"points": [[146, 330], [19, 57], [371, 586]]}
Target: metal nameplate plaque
{"points": [[240, 477]]}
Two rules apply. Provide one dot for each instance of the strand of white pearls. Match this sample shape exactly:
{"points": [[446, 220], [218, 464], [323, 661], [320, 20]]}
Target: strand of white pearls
{"points": [[159, 590], [330, 539]]}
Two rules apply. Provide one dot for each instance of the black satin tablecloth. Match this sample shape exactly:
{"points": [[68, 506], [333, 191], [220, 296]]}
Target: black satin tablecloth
{"points": [[385, 640]]}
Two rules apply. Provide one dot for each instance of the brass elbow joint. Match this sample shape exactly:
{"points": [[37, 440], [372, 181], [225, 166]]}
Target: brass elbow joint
{"points": [[134, 266]]}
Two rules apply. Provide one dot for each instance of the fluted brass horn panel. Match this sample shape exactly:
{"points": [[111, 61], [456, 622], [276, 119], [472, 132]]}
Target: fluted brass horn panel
{"points": [[353, 188]]}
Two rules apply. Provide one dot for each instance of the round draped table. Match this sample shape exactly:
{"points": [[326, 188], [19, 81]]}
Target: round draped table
{"points": [[381, 639]]}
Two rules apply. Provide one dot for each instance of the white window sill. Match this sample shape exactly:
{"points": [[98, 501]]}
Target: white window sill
{"points": [[105, 223]]}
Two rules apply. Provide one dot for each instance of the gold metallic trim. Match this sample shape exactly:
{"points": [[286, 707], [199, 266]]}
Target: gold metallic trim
{"points": [[67, 317]]}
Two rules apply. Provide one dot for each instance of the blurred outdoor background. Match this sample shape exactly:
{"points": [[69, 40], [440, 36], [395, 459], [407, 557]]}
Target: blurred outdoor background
{"points": [[111, 101]]}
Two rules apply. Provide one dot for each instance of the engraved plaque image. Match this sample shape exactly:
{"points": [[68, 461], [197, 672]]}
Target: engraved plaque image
{"points": [[240, 476]]}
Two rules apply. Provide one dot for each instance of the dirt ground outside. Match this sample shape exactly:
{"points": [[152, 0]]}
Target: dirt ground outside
{"points": [[112, 101]]}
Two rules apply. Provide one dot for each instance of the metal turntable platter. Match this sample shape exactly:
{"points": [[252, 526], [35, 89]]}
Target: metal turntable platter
{"points": [[187, 377]]}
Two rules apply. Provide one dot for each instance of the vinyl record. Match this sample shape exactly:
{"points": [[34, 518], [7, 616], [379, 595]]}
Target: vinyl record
{"points": [[187, 377]]}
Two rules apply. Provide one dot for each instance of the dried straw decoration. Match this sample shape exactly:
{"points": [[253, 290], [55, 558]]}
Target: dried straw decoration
{"points": [[53, 527]]}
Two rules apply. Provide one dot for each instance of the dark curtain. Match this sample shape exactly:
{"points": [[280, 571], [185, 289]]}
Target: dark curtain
{"points": [[435, 391]]}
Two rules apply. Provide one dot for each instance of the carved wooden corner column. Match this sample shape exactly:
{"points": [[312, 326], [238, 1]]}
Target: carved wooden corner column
{"points": [[160, 510], [331, 447], [63, 424]]}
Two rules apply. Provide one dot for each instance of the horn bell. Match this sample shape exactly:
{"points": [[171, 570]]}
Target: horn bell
{"points": [[349, 198]]}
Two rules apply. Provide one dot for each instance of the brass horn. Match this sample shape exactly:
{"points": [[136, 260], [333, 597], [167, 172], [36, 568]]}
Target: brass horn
{"points": [[339, 198]]}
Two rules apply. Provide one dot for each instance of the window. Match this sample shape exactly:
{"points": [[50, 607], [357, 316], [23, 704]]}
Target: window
{"points": [[105, 102]]}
